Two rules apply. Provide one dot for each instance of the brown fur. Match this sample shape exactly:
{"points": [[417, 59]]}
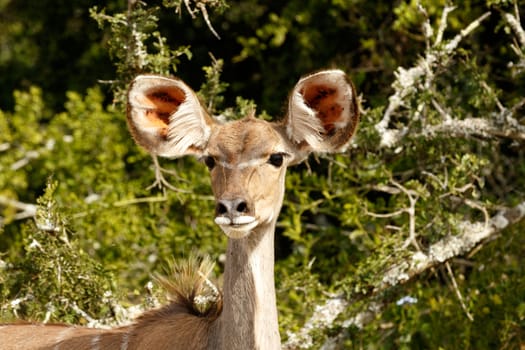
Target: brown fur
{"points": [[171, 327]]}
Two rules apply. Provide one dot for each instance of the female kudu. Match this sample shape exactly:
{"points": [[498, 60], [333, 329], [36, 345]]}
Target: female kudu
{"points": [[247, 161]]}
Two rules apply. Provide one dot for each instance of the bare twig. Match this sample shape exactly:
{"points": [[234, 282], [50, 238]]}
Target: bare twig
{"points": [[386, 215], [188, 7], [410, 210], [26, 210], [514, 23], [457, 291], [160, 181], [200, 5], [443, 24], [25, 161], [204, 12], [453, 44], [133, 201]]}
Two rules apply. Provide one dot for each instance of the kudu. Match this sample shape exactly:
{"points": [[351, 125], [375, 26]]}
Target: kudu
{"points": [[247, 160]]}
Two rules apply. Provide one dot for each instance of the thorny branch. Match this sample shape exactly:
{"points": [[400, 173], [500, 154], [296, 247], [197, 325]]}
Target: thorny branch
{"points": [[407, 80], [410, 210], [411, 81], [502, 125], [201, 6], [29, 210], [472, 235], [160, 180]]}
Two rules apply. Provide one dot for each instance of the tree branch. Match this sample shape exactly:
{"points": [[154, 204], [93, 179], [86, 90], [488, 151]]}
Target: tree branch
{"points": [[472, 234], [26, 210], [514, 23], [408, 81], [474, 127]]}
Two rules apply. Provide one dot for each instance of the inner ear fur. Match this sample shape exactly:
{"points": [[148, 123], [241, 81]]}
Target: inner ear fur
{"points": [[166, 118], [323, 112]]}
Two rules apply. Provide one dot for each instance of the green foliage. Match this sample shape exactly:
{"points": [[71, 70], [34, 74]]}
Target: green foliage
{"points": [[136, 45], [102, 178], [53, 45], [52, 273], [346, 219], [213, 88], [433, 319]]}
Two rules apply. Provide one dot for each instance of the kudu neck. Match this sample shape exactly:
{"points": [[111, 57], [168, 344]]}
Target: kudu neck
{"points": [[249, 317]]}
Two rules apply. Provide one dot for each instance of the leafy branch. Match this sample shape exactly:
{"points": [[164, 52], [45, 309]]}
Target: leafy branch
{"points": [[473, 234]]}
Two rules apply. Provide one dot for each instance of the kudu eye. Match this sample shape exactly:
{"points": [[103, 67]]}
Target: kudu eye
{"points": [[276, 159], [209, 161]]}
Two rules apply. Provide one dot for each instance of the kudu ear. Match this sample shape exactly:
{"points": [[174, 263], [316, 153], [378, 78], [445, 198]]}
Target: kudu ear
{"points": [[323, 112], [166, 118]]}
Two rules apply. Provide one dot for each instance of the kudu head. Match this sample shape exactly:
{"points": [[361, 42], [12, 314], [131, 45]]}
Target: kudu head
{"points": [[247, 158]]}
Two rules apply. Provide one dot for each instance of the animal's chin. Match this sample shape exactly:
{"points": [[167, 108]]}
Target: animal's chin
{"points": [[237, 228]]}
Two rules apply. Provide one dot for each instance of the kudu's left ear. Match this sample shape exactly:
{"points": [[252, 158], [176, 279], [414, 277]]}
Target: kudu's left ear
{"points": [[323, 112], [166, 117]]}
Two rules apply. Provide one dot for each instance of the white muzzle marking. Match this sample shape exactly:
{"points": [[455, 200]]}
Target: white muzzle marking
{"points": [[237, 227]]}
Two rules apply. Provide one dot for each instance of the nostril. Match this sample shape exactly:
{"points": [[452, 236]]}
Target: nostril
{"points": [[242, 207], [221, 209], [231, 208]]}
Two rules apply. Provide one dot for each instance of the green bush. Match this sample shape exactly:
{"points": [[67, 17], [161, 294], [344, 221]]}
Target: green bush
{"points": [[440, 147]]}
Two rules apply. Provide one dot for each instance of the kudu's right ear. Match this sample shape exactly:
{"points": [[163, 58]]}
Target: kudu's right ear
{"points": [[166, 117]]}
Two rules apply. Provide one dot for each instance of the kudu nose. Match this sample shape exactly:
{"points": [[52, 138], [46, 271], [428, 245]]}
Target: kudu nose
{"points": [[231, 208], [235, 214]]}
